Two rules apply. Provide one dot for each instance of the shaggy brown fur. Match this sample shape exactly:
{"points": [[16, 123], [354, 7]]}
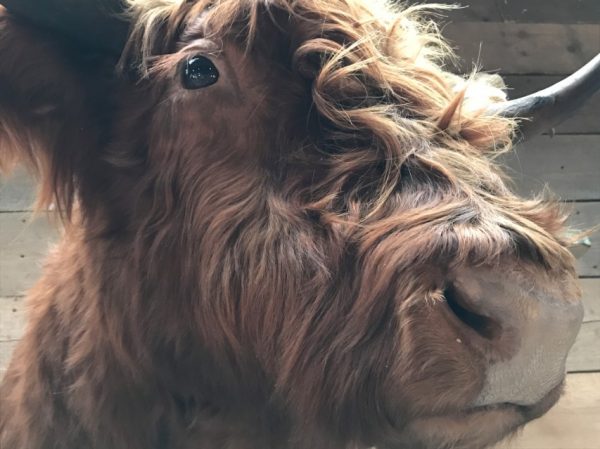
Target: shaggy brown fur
{"points": [[259, 264]]}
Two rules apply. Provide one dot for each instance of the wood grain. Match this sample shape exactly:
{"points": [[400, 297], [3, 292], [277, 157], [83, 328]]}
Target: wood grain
{"points": [[12, 325], [6, 350], [512, 48], [12, 318], [524, 11], [568, 165], [591, 299], [23, 243], [17, 192]]}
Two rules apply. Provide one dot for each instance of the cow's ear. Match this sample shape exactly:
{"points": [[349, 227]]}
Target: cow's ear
{"points": [[45, 114]]}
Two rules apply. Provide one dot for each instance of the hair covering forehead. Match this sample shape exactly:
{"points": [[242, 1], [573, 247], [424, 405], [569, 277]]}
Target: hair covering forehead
{"points": [[388, 102]]}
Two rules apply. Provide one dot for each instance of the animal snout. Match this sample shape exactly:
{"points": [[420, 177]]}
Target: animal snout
{"points": [[523, 325]]}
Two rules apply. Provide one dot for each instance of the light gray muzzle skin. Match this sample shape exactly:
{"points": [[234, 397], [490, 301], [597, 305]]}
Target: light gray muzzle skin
{"points": [[539, 320]]}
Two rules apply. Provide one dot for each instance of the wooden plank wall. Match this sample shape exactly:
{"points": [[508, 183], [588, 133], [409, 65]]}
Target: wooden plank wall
{"points": [[532, 43]]}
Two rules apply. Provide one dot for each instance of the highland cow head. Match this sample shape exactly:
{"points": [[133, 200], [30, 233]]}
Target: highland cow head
{"points": [[321, 233]]}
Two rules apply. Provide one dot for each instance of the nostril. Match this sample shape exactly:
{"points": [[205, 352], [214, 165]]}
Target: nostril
{"points": [[483, 325]]}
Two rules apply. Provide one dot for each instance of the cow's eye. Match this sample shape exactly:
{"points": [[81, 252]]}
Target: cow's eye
{"points": [[198, 72]]}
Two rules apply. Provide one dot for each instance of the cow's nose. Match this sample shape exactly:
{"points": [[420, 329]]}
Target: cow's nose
{"points": [[524, 324]]}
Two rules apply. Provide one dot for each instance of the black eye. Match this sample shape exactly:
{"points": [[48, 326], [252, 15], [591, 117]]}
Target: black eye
{"points": [[199, 72]]}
